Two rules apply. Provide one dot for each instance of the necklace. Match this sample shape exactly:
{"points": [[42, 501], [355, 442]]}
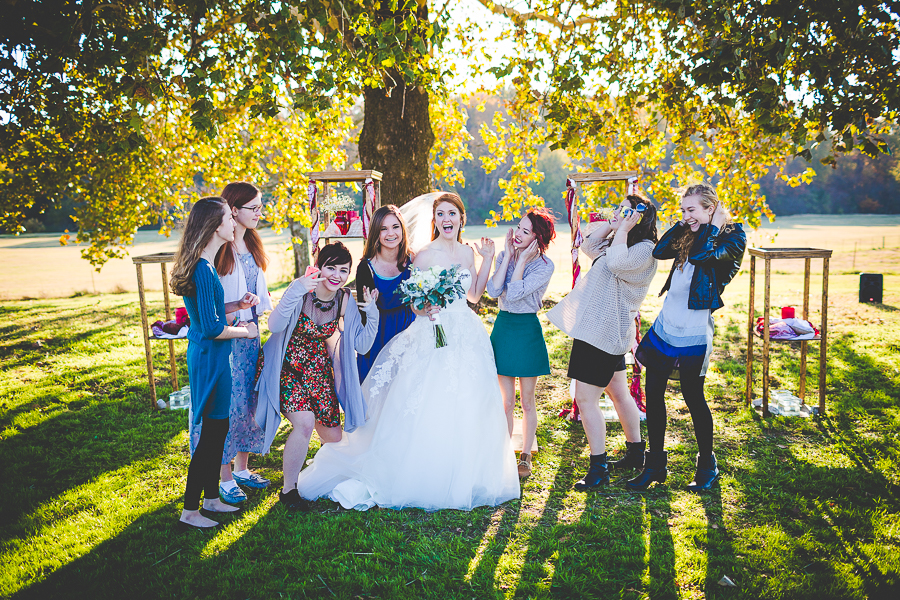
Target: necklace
{"points": [[323, 305]]}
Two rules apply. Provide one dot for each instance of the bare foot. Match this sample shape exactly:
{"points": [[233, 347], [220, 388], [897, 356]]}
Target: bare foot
{"points": [[217, 506], [194, 518]]}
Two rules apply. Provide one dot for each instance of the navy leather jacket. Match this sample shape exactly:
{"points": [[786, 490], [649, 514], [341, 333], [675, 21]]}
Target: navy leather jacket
{"points": [[716, 258]]}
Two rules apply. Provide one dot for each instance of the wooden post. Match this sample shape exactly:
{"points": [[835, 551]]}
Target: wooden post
{"points": [[173, 373], [806, 274], [377, 193], [751, 313], [146, 331], [765, 357], [823, 342]]}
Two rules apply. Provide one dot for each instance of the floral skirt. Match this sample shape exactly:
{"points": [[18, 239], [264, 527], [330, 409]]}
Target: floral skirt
{"points": [[315, 394]]}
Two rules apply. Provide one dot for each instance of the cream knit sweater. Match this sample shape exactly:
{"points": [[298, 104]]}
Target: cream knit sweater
{"points": [[601, 308]]}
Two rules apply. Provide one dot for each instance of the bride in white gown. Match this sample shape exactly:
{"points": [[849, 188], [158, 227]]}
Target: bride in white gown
{"points": [[436, 435]]}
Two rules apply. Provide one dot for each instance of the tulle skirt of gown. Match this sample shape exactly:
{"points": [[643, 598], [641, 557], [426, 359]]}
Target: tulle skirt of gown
{"points": [[436, 436]]}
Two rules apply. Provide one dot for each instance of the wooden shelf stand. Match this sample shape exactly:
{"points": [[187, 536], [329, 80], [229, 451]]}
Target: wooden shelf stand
{"points": [[326, 178], [768, 255], [160, 258]]}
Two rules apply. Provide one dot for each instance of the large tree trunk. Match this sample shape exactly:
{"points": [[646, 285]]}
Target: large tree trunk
{"points": [[396, 139], [302, 250]]}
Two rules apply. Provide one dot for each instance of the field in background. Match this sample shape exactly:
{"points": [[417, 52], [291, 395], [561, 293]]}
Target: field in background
{"points": [[36, 266], [807, 509]]}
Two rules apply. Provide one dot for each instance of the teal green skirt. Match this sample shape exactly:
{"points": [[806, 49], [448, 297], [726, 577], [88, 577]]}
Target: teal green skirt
{"points": [[519, 347]]}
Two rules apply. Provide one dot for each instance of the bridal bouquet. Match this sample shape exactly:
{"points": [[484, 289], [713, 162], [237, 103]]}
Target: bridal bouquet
{"points": [[435, 286]]}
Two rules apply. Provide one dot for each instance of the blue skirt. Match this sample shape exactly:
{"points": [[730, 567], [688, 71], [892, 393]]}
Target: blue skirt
{"points": [[519, 347]]}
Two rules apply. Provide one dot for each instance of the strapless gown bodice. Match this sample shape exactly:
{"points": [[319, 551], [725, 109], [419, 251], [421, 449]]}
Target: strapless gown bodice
{"points": [[436, 435]]}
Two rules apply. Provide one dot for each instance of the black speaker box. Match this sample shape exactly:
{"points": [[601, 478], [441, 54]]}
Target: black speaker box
{"points": [[871, 286]]}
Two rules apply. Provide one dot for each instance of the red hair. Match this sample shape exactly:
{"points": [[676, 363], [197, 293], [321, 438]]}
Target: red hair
{"points": [[542, 225], [237, 194], [456, 201]]}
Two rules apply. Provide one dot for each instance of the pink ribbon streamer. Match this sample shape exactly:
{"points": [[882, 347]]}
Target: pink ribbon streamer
{"points": [[575, 226], [632, 186], [577, 239], [312, 193], [368, 206]]}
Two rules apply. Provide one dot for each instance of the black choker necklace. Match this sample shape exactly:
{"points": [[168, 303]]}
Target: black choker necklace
{"points": [[323, 305]]}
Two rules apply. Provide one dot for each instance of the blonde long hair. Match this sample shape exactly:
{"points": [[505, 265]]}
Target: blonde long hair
{"points": [[708, 199], [205, 217], [455, 201], [373, 242]]}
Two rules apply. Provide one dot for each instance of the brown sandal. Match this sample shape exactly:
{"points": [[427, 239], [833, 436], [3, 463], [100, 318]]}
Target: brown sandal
{"points": [[524, 465]]}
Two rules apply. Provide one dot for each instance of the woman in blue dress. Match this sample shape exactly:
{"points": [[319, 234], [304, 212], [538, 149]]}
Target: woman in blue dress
{"points": [[385, 264], [241, 265], [209, 226]]}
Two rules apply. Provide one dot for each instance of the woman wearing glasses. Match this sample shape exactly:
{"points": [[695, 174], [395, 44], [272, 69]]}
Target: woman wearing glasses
{"points": [[599, 313], [241, 266]]}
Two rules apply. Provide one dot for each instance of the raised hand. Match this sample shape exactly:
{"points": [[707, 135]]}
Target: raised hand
{"points": [[531, 252], [510, 242], [486, 249], [248, 300], [628, 223], [309, 282], [369, 296], [719, 216]]}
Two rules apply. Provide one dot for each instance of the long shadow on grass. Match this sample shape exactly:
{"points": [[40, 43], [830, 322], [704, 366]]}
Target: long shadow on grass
{"points": [[151, 558], [542, 537], [720, 559], [603, 554], [813, 522], [822, 522], [76, 446]]}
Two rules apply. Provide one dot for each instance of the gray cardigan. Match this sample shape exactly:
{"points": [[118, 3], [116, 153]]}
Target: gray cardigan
{"points": [[601, 308], [525, 295], [354, 337]]}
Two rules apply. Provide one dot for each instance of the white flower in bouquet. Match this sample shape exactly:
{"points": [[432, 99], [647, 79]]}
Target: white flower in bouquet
{"points": [[436, 286]]}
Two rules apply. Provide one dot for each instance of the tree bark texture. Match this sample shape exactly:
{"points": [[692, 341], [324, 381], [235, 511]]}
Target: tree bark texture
{"points": [[301, 251], [396, 139]]}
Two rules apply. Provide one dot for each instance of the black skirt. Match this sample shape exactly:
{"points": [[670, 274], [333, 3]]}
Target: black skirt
{"points": [[592, 365]]}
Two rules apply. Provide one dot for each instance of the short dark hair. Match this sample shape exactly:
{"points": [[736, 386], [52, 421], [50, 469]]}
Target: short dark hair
{"points": [[333, 254]]}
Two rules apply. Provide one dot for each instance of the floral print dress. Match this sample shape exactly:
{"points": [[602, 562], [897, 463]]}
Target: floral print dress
{"points": [[307, 374]]}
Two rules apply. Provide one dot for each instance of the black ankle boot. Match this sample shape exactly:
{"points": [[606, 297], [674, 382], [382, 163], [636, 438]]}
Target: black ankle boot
{"points": [[634, 456], [598, 474], [654, 470], [707, 473]]}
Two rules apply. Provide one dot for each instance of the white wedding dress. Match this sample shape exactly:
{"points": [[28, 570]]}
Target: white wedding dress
{"points": [[436, 436]]}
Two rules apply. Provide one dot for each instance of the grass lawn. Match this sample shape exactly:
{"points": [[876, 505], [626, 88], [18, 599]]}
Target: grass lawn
{"points": [[92, 478]]}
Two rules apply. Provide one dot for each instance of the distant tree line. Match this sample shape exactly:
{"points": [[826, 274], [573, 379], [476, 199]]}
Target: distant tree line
{"points": [[854, 183]]}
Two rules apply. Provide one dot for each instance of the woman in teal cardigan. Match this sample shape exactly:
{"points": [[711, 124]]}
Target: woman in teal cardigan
{"points": [[209, 226]]}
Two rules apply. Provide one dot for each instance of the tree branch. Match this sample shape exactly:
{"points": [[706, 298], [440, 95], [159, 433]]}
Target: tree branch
{"points": [[520, 17]]}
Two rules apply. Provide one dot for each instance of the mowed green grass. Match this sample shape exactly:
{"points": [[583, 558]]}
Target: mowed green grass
{"points": [[92, 478]]}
